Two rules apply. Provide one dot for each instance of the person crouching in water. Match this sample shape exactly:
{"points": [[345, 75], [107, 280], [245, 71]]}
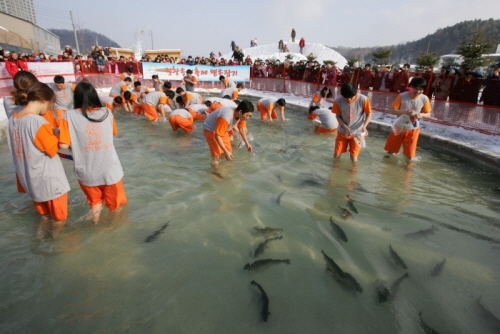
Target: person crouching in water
{"points": [[354, 112], [89, 129], [33, 145], [219, 123]]}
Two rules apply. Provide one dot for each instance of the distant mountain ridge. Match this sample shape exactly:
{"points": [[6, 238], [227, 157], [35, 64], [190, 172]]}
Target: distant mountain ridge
{"points": [[86, 39], [443, 41]]}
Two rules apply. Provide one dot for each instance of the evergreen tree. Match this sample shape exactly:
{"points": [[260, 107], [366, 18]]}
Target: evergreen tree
{"points": [[382, 56], [473, 48]]}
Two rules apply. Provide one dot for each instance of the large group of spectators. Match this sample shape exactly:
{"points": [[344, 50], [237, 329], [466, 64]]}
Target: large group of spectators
{"points": [[453, 83]]}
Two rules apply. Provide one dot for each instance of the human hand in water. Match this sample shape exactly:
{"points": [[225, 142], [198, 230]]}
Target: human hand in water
{"points": [[229, 156], [249, 148]]}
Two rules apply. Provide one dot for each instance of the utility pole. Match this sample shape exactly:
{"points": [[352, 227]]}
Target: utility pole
{"points": [[74, 31]]}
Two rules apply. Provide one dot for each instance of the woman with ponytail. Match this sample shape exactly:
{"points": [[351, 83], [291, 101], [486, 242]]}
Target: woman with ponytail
{"points": [[13, 103], [34, 147], [89, 129]]}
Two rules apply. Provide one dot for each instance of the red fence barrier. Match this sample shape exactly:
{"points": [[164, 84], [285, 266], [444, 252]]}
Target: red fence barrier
{"points": [[470, 116]]}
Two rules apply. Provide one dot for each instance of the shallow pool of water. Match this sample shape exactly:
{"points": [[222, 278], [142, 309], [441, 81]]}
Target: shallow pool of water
{"points": [[107, 279]]}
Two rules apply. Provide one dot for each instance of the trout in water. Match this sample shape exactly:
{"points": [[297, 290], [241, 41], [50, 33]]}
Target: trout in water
{"points": [[264, 244], [157, 233], [264, 262], [265, 301], [341, 276]]}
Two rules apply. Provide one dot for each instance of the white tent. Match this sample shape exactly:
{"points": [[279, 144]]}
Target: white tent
{"points": [[270, 51]]}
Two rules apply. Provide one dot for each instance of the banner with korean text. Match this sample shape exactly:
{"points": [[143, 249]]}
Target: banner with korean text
{"points": [[201, 72], [45, 72]]}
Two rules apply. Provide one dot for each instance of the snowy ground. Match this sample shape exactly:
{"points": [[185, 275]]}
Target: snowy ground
{"points": [[476, 139], [270, 51]]}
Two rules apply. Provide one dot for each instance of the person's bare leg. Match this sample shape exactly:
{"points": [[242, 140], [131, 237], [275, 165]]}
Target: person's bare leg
{"points": [[96, 212]]}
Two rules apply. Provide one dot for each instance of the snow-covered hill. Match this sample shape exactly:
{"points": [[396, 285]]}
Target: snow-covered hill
{"points": [[269, 51]]}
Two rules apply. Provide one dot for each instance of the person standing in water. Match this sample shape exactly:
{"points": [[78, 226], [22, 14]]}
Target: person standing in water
{"points": [[33, 145], [89, 129], [354, 112], [412, 105]]}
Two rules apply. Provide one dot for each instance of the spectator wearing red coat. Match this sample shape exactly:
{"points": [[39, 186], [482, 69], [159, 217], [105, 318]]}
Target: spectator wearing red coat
{"points": [[367, 78], [14, 64], [302, 43]]}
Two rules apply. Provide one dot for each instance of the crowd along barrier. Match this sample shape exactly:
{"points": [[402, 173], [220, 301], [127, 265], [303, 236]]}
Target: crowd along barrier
{"points": [[471, 116]]}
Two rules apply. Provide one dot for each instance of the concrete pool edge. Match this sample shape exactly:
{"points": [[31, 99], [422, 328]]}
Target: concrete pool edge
{"points": [[468, 152]]}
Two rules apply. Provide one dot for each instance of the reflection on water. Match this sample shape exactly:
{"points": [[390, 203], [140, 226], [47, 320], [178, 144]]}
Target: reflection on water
{"points": [[190, 278]]}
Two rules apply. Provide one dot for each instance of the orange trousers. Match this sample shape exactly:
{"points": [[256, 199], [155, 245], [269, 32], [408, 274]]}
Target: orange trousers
{"points": [[343, 142], [112, 195], [408, 139], [214, 147], [150, 111], [264, 113], [177, 121], [57, 207]]}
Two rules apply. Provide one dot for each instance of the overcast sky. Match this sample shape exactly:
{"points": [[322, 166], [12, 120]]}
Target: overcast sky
{"points": [[200, 26]]}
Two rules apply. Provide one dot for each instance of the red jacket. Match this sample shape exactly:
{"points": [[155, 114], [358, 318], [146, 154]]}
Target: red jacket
{"points": [[302, 43], [13, 66]]}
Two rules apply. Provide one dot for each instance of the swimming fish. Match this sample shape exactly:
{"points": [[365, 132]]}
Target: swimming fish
{"points": [[264, 244], [350, 204], [278, 199], [157, 233], [492, 319], [265, 301], [438, 268], [260, 263], [427, 328], [219, 175], [345, 213], [338, 231], [267, 231], [389, 294], [396, 258], [313, 179], [279, 178], [341, 276], [422, 233]]}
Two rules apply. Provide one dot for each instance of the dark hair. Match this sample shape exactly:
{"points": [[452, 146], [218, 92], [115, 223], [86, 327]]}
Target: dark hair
{"points": [[137, 83], [179, 90], [245, 106], [227, 97], [130, 69], [85, 97], [179, 99], [369, 65], [407, 65], [312, 108], [348, 90], [329, 94], [189, 71], [118, 100], [208, 103], [59, 79], [418, 83], [127, 95], [155, 76], [22, 81], [239, 85], [222, 77], [237, 102], [127, 79], [281, 102], [170, 94], [37, 91]]}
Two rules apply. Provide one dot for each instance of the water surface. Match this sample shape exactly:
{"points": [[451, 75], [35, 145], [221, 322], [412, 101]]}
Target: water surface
{"points": [[105, 278]]}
